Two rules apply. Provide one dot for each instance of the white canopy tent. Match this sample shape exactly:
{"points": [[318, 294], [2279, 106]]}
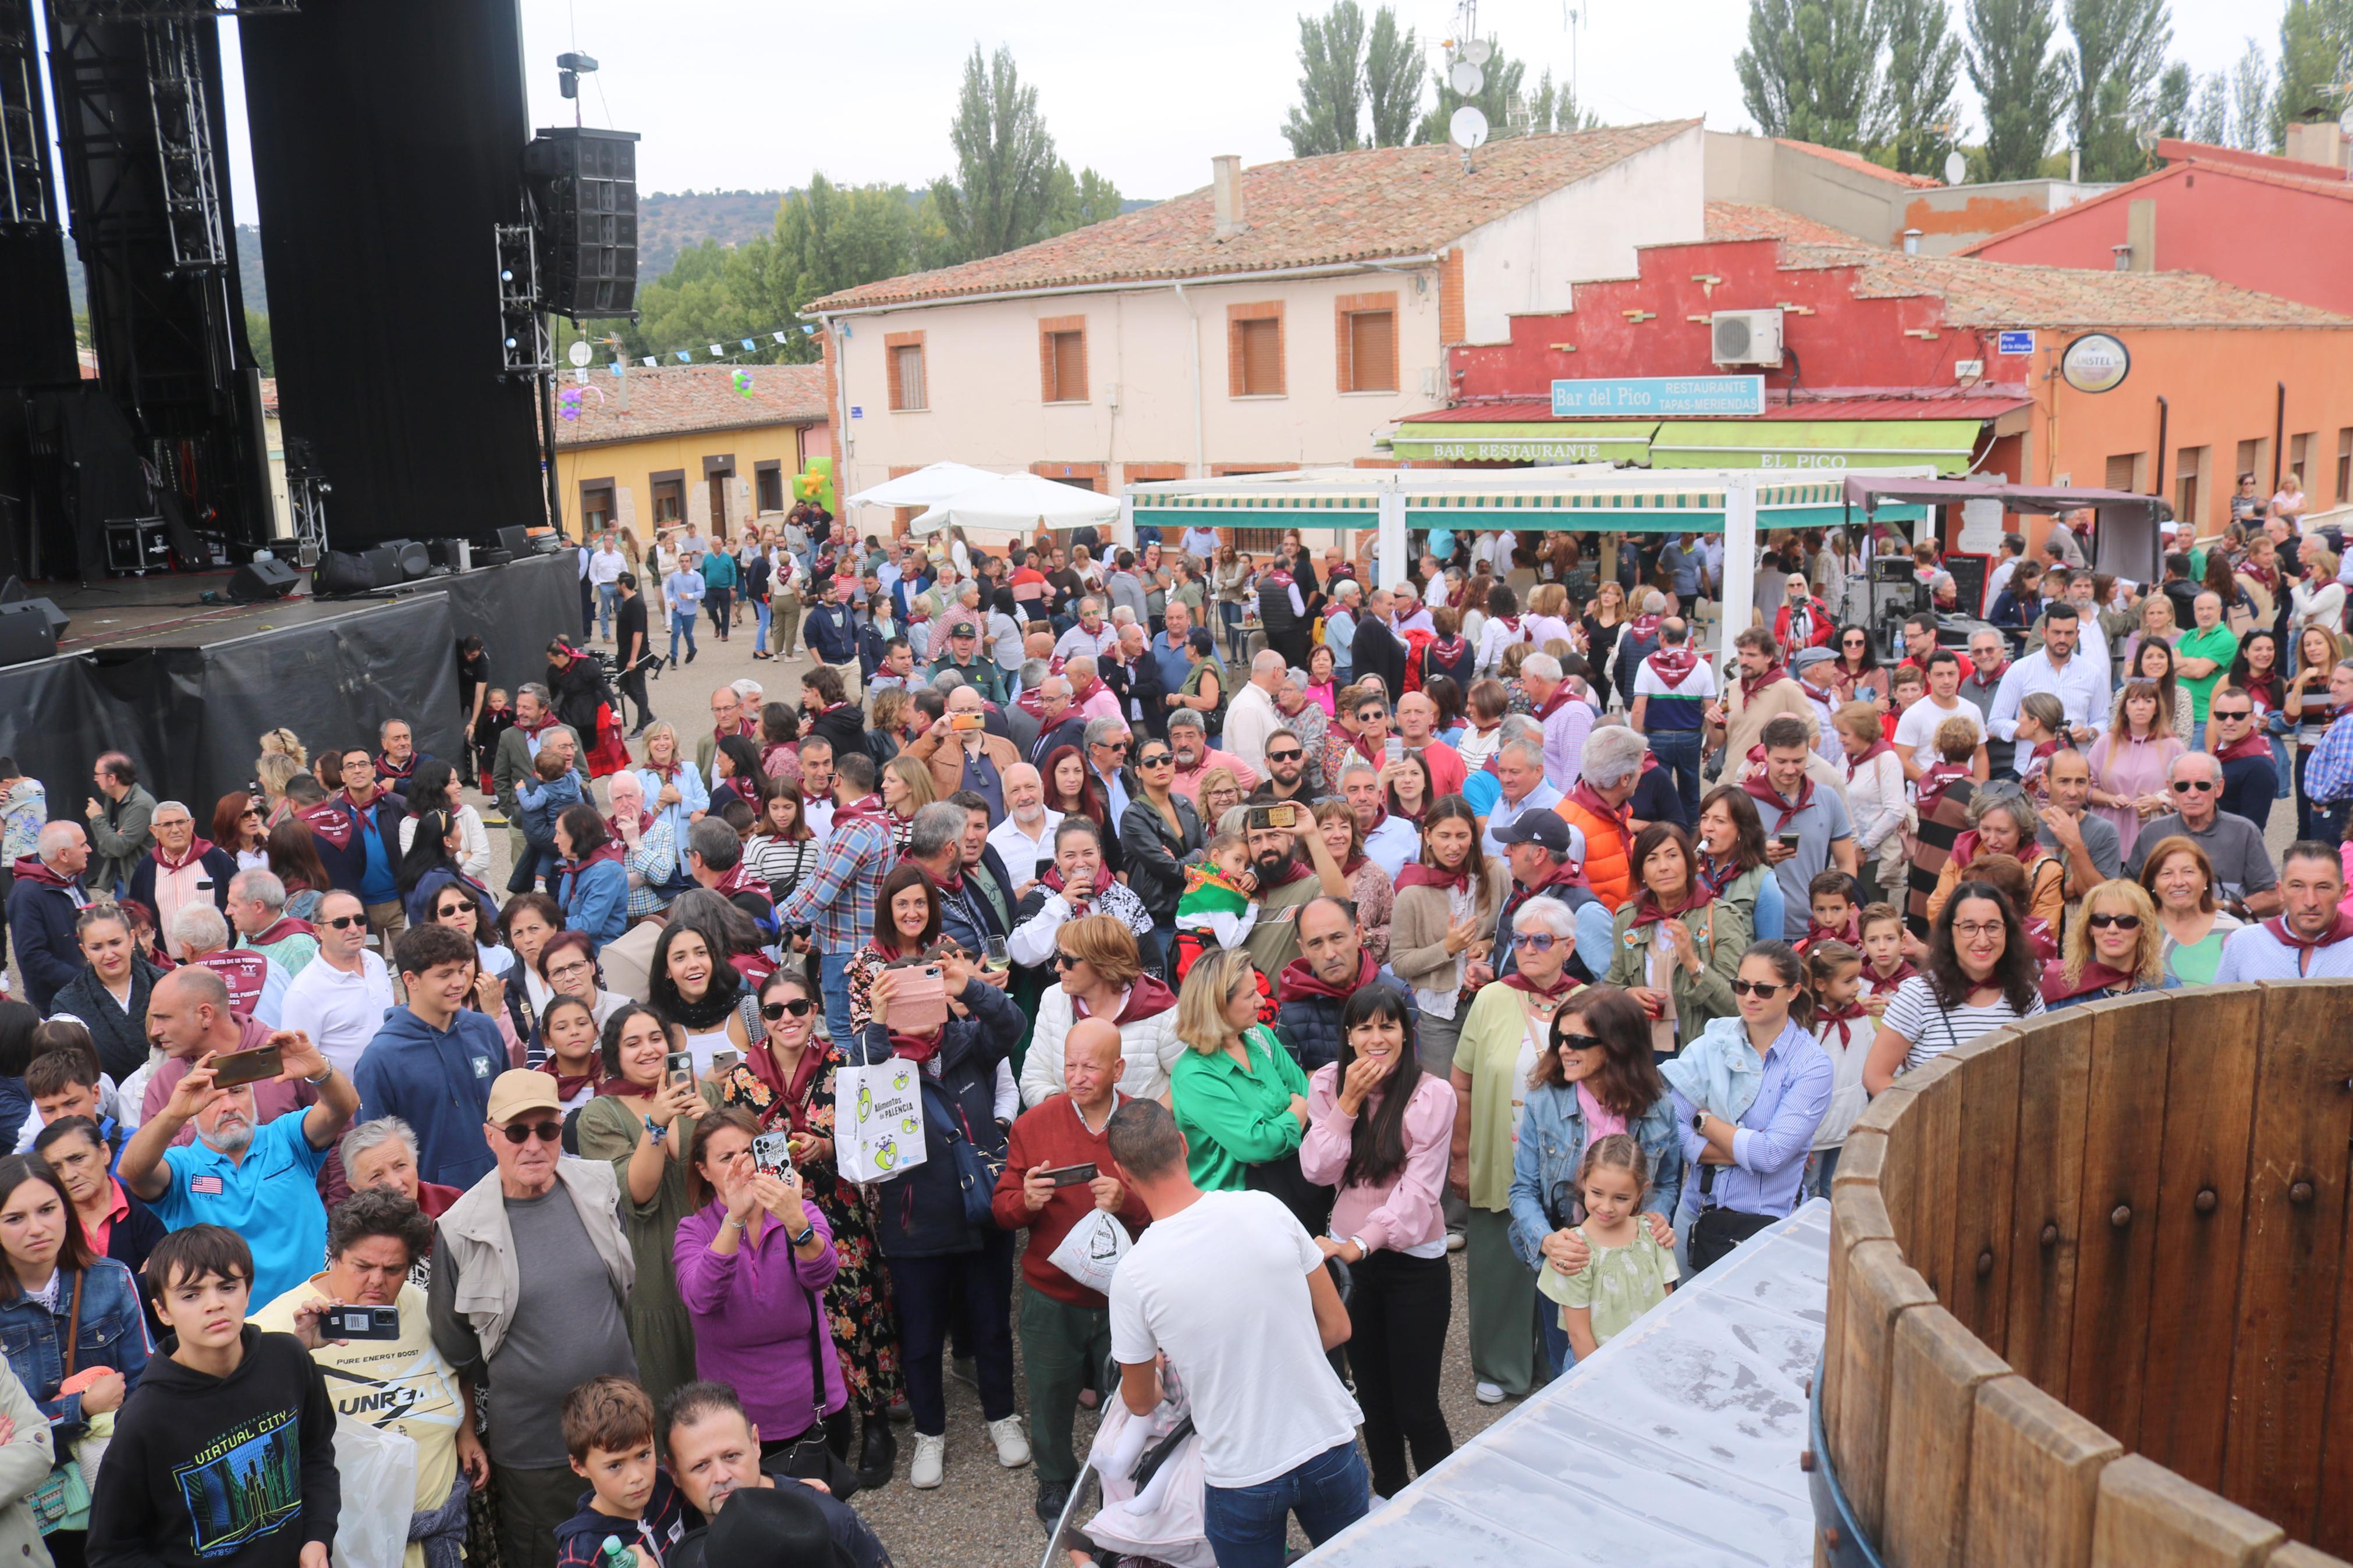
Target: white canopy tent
{"points": [[927, 486], [1016, 503]]}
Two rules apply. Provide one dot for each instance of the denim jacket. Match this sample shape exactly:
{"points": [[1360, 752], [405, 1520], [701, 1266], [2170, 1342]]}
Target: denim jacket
{"points": [[1552, 1145], [112, 1334]]}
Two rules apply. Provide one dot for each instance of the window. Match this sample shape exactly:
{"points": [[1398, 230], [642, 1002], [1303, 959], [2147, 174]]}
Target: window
{"points": [[902, 361], [1254, 350], [1062, 359], [2299, 458], [1366, 344], [2123, 471], [2254, 458], [770, 477], [2344, 466], [596, 505], [2187, 479]]}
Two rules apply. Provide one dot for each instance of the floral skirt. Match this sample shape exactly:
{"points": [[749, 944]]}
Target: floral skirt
{"points": [[858, 1304]]}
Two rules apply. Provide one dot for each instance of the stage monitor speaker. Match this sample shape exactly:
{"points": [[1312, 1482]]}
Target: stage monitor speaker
{"points": [[26, 632], [515, 541], [412, 560], [343, 573], [262, 579], [384, 565], [586, 184], [456, 554]]}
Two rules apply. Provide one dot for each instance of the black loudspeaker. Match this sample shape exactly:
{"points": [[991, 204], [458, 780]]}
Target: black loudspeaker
{"points": [[26, 632], [262, 579], [383, 564], [515, 541], [341, 573], [411, 560], [585, 184]]}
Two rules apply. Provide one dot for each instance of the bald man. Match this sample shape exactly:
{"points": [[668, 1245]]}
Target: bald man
{"points": [[1252, 716], [187, 1014], [1025, 838], [963, 754], [1057, 1172]]}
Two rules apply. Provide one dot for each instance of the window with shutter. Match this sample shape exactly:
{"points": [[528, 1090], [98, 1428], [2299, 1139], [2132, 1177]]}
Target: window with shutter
{"points": [[1372, 351], [2123, 471], [1261, 346], [1066, 361], [2188, 462], [909, 361]]}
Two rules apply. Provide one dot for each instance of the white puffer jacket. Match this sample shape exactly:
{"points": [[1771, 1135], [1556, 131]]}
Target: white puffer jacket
{"points": [[1148, 1042]]}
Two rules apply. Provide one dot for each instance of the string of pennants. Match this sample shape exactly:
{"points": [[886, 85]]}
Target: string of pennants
{"points": [[713, 352]]}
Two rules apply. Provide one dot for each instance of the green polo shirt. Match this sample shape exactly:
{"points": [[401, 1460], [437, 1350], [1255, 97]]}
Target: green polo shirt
{"points": [[2221, 646], [1233, 1119]]}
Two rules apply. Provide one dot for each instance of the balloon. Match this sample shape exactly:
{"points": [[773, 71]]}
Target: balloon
{"points": [[816, 484], [743, 379]]}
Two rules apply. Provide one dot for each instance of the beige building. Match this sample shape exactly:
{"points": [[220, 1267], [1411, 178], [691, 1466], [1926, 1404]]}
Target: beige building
{"points": [[652, 448], [1283, 316]]}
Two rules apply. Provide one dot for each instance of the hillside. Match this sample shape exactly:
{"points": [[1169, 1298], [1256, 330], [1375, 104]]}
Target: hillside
{"points": [[248, 262], [669, 223]]}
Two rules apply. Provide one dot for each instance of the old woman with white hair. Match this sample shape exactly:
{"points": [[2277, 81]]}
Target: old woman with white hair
{"points": [[383, 1153], [1504, 1034]]}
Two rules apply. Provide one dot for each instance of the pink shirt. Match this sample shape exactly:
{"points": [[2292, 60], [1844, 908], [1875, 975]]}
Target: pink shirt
{"points": [[1187, 780], [1404, 1213]]}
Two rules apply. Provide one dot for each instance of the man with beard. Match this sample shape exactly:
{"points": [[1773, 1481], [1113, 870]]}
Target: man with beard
{"points": [[1764, 691], [1314, 988], [2085, 841], [258, 1178], [1375, 649], [757, 1517], [1026, 837], [1287, 879], [1286, 772]]}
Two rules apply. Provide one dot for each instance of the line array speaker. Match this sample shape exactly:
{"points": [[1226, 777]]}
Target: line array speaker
{"points": [[586, 184]]}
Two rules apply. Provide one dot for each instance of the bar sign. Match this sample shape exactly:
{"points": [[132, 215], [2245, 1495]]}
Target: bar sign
{"points": [[2015, 343]]}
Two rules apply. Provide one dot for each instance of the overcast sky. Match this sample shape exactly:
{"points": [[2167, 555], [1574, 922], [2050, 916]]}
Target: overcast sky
{"points": [[754, 94]]}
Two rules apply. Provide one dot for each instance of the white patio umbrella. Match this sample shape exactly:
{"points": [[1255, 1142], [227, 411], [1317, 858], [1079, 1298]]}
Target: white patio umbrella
{"points": [[1017, 502], [926, 486]]}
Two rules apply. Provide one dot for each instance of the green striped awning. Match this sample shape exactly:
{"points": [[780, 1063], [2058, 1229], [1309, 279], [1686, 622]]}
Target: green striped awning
{"points": [[1815, 446], [1550, 441]]}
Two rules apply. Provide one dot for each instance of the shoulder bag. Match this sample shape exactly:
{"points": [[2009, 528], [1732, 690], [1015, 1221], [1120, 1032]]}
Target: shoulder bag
{"points": [[63, 1499], [810, 1457]]}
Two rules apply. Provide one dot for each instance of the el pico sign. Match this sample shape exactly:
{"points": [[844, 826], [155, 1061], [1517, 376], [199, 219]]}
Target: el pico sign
{"points": [[2095, 363], [1659, 396]]}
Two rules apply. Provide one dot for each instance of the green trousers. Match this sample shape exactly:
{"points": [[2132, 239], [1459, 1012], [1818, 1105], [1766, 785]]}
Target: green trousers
{"points": [[1060, 1345], [1502, 1305]]}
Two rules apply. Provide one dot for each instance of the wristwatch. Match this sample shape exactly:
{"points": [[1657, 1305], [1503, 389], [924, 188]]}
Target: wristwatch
{"points": [[803, 1238], [1699, 1121], [656, 1130]]}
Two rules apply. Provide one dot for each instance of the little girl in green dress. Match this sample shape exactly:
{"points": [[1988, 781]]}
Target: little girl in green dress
{"points": [[1630, 1272]]}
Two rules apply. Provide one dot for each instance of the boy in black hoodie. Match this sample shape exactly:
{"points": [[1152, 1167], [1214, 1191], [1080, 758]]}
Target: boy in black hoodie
{"points": [[225, 1455], [631, 1504]]}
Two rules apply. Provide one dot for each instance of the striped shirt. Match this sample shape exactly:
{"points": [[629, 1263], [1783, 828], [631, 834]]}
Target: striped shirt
{"points": [[1930, 1030], [1674, 706]]}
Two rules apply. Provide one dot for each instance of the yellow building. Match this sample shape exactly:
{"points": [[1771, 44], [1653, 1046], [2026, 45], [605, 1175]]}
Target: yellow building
{"points": [[682, 444]]}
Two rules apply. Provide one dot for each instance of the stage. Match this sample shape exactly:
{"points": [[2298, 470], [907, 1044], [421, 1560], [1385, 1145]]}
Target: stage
{"points": [[186, 688]]}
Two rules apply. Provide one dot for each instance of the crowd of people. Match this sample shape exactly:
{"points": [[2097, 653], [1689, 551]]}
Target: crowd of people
{"points": [[1253, 939]]}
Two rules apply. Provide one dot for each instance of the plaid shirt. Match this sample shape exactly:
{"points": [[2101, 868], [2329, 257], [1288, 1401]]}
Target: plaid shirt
{"points": [[837, 898], [653, 864], [2329, 771]]}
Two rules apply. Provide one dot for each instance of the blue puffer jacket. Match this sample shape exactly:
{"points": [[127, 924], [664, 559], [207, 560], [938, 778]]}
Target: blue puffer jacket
{"points": [[112, 1333], [922, 1211], [1552, 1146]]}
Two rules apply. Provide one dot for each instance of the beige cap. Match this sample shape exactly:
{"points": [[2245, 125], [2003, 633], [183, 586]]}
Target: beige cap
{"points": [[518, 1089]]}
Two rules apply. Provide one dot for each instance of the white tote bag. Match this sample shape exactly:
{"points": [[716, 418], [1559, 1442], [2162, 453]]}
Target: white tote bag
{"points": [[1092, 1249], [878, 1120]]}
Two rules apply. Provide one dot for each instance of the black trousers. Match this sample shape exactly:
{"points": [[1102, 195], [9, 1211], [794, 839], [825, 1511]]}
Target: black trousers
{"points": [[1398, 1313], [632, 687]]}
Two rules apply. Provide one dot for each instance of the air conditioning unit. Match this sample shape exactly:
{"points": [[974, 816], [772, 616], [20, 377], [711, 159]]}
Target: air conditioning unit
{"points": [[1745, 337]]}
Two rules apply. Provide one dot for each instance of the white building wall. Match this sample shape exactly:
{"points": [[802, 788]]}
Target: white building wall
{"points": [[1525, 262]]}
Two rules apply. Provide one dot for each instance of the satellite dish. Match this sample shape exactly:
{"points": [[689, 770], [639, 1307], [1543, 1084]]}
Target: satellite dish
{"points": [[1466, 128], [581, 353], [1478, 51], [1466, 78], [1956, 169]]}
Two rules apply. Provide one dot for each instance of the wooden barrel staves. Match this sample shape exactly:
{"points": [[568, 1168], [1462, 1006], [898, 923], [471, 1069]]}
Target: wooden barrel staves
{"points": [[2089, 1301]]}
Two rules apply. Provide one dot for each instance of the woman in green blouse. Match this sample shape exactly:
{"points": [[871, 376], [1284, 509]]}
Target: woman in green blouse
{"points": [[1238, 1095]]}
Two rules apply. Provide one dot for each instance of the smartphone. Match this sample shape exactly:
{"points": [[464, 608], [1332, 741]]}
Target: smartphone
{"points": [[725, 1061], [359, 1324], [968, 722], [1072, 1175], [1393, 749], [1789, 839], [246, 1067], [1262, 817], [772, 1153], [678, 1066]]}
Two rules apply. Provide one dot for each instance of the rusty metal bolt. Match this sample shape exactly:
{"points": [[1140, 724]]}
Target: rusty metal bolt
{"points": [[2300, 1194], [2206, 1200], [2050, 1236], [2121, 1215], [1984, 1263]]}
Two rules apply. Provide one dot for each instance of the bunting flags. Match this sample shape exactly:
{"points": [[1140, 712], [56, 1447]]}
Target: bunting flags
{"points": [[719, 352]]}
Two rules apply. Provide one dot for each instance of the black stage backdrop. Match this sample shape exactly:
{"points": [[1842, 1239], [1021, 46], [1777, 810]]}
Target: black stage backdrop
{"points": [[191, 718], [387, 142]]}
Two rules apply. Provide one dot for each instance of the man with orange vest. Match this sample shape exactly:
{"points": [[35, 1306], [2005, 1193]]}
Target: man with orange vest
{"points": [[1610, 765]]}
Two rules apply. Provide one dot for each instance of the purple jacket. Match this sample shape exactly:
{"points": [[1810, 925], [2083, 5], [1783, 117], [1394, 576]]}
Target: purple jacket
{"points": [[751, 1314]]}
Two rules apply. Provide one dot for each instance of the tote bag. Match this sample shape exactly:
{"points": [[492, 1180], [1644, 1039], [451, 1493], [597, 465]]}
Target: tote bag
{"points": [[878, 1120]]}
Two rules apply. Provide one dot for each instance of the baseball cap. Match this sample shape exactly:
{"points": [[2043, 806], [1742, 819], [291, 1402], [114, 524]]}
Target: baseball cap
{"points": [[518, 1089], [1544, 826]]}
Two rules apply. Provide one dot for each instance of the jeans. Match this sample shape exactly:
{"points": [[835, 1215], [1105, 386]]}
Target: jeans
{"points": [[1678, 752], [1062, 1347], [833, 982], [1230, 618], [681, 620], [1397, 1314], [1820, 1173], [608, 595], [716, 602], [760, 611], [925, 1288], [1245, 1524]]}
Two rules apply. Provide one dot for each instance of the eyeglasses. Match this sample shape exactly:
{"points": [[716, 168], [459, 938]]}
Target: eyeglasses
{"points": [[345, 922], [1540, 941], [1760, 989], [519, 1135], [2183, 786], [1284, 756], [569, 970], [2122, 923], [1157, 760], [1971, 932], [772, 1011], [1579, 1042]]}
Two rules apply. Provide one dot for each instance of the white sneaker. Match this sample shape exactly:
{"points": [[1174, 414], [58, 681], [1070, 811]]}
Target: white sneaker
{"points": [[931, 1461], [1454, 1241], [1488, 1392], [1012, 1444]]}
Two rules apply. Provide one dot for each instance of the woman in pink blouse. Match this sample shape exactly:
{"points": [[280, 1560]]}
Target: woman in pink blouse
{"points": [[1377, 1129]]}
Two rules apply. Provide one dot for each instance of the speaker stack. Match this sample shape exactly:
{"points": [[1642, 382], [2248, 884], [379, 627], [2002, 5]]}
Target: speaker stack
{"points": [[585, 187]]}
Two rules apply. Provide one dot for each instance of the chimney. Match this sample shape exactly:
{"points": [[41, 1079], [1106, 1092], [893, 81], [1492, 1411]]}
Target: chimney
{"points": [[2140, 232], [2317, 141], [1911, 242], [1226, 193]]}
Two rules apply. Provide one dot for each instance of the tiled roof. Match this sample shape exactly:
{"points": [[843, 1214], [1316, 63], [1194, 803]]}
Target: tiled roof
{"points": [[2339, 190], [1302, 212], [1981, 293], [1862, 165], [682, 399], [1989, 402], [1747, 220]]}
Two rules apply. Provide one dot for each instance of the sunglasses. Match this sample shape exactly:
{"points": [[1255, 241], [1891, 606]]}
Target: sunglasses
{"points": [[2183, 786], [2240, 713], [1114, 745], [446, 910], [1566, 1042], [1760, 989], [1284, 756], [1157, 760], [345, 922], [545, 1132], [2122, 923], [772, 1011], [1540, 941]]}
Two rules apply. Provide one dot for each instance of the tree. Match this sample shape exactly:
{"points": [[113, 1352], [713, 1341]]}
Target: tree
{"points": [[1555, 108], [2020, 85], [2212, 124], [2315, 53], [1502, 76], [2250, 100], [1331, 82], [2113, 79], [256, 337], [1811, 70], [1918, 111], [1002, 196], [2171, 112], [1392, 81]]}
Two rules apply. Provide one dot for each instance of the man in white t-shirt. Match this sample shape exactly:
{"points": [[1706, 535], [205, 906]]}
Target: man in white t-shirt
{"points": [[342, 995], [1232, 1290], [1916, 733]]}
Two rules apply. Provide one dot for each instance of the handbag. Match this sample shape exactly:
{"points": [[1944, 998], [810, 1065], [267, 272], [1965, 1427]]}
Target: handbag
{"points": [[1718, 1230], [975, 1172], [63, 1499], [809, 1457]]}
